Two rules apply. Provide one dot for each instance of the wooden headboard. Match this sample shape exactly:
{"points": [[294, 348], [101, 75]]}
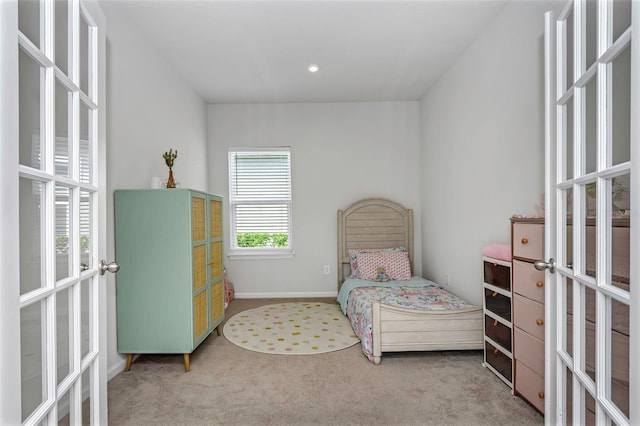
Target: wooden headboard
{"points": [[372, 223]]}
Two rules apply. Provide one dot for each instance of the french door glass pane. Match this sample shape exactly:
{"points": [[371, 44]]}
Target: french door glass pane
{"points": [[31, 218], [63, 337], [591, 42], [84, 55], [29, 111], [62, 34], [590, 125], [568, 401], [87, 403], [589, 418], [589, 330], [620, 241], [621, 107], [620, 193], [63, 410], [567, 341], [63, 228], [63, 144], [85, 313], [85, 228], [567, 207], [568, 53], [33, 377], [86, 145], [569, 140], [620, 355], [621, 17], [589, 248], [29, 19]]}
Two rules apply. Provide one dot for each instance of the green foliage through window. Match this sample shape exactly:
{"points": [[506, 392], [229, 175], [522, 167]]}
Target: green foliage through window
{"points": [[262, 239], [62, 243]]}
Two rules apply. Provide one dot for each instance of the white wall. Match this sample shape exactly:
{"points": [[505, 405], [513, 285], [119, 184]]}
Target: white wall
{"points": [[483, 146], [341, 152], [149, 110]]}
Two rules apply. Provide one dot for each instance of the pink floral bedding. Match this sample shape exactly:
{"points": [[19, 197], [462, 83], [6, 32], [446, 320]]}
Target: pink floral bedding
{"points": [[360, 299]]}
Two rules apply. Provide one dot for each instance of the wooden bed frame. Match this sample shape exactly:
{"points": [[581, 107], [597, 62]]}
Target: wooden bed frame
{"points": [[381, 223]]}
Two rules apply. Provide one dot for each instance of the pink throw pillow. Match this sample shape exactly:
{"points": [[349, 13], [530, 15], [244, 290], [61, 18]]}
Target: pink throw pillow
{"points": [[384, 266]]}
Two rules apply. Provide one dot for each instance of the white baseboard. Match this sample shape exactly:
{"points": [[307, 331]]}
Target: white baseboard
{"points": [[116, 369], [286, 295]]}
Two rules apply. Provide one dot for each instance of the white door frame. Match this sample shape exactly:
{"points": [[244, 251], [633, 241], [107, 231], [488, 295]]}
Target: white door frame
{"points": [[100, 396], [550, 210], [634, 315], [9, 255], [634, 368]]}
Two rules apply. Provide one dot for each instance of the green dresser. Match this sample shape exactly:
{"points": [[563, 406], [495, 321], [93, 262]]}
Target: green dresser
{"points": [[170, 287]]}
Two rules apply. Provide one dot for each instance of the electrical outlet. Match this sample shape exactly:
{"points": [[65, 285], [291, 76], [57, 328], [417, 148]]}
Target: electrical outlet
{"points": [[327, 269]]}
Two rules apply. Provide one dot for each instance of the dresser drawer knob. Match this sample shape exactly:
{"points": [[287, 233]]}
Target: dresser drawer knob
{"points": [[496, 351], [524, 241], [494, 294], [541, 395], [495, 323], [539, 284], [539, 322]]}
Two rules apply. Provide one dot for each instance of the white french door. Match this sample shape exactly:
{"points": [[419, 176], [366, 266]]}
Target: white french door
{"points": [[593, 216], [52, 221]]}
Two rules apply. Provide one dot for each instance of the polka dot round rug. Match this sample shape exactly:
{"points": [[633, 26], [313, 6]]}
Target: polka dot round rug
{"points": [[292, 328]]}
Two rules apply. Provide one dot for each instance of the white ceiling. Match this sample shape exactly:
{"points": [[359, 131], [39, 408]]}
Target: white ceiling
{"points": [[241, 51]]}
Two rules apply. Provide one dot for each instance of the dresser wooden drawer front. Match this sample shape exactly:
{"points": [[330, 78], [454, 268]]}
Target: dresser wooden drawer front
{"points": [[529, 316], [528, 281], [530, 385], [529, 350], [528, 240]]}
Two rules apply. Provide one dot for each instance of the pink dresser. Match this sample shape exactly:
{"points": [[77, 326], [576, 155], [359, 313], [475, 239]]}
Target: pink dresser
{"points": [[527, 242]]}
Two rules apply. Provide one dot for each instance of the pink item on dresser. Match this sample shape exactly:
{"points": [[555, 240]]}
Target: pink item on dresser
{"points": [[498, 251], [229, 291]]}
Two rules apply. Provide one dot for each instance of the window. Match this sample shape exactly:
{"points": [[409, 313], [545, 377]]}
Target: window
{"points": [[260, 201], [63, 213]]}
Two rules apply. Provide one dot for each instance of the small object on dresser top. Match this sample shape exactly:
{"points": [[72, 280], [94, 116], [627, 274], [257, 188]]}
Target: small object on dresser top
{"points": [[498, 251], [527, 216]]}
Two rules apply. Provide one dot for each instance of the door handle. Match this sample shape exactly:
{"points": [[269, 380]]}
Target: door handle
{"points": [[112, 267], [541, 265]]}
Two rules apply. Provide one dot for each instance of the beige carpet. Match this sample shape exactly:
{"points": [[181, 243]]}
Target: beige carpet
{"points": [[293, 328], [229, 385]]}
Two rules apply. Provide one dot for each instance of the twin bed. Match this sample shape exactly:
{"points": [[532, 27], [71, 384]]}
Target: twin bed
{"points": [[389, 309]]}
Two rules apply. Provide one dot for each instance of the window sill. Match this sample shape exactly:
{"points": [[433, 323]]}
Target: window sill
{"points": [[247, 255]]}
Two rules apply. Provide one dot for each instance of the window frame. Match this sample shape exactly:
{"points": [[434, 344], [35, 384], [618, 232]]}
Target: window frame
{"points": [[259, 252]]}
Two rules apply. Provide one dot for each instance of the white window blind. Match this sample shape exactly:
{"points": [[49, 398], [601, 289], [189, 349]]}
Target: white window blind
{"points": [[62, 205], [260, 200]]}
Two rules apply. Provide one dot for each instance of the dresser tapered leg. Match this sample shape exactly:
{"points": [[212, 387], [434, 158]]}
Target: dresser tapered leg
{"points": [[129, 361], [187, 367], [218, 331]]}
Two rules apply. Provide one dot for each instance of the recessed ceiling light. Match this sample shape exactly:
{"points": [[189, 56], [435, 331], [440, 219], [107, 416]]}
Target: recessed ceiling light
{"points": [[313, 68]]}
